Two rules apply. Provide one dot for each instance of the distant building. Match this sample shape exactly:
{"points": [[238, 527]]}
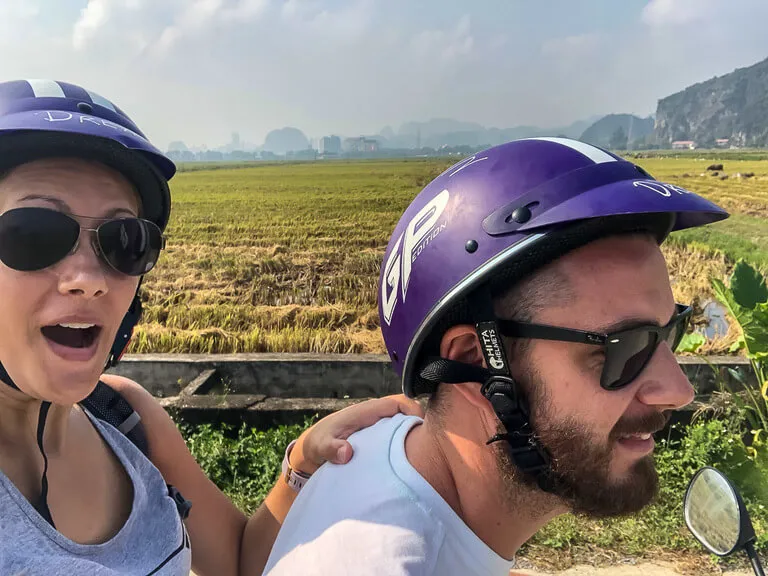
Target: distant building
{"points": [[722, 142], [182, 155], [361, 144], [329, 145], [683, 145]]}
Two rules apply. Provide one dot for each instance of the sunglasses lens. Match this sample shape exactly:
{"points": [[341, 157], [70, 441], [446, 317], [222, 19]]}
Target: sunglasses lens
{"points": [[677, 331], [130, 245], [625, 359], [630, 352], [35, 238]]}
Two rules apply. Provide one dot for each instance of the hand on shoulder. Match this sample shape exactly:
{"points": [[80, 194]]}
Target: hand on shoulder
{"points": [[326, 441]]}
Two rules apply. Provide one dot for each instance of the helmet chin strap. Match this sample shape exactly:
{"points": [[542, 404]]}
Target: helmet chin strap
{"points": [[124, 333], [6, 378], [505, 395], [122, 339]]}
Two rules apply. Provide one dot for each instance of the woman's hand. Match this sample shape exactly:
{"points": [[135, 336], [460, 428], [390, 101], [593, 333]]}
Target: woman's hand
{"points": [[327, 439]]}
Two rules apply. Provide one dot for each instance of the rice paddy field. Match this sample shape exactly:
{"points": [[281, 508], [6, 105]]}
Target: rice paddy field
{"points": [[285, 257]]}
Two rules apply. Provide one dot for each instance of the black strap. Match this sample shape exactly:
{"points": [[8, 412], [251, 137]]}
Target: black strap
{"points": [[110, 406], [183, 506], [442, 370], [42, 503], [498, 386], [125, 332]]}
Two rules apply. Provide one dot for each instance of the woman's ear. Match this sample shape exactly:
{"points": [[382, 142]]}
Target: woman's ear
{"points": [[460, 343]]}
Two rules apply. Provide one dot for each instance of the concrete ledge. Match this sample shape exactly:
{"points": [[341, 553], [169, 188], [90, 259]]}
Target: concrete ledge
{"points": [[253, 410], [330, 375], [263, 390]]}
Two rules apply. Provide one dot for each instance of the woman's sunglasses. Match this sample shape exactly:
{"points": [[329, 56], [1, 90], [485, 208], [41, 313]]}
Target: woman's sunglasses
{"points": [[36, 238], [627, 352]]}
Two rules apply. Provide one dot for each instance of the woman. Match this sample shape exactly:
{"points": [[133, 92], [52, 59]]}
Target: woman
{"points": [[83, 202]]}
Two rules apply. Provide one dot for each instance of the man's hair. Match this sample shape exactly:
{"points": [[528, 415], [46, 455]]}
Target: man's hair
{"points": [[524, 300], [521, 302]]}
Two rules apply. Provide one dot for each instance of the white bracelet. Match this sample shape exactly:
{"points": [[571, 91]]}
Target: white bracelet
{"points": [[294, 478]]}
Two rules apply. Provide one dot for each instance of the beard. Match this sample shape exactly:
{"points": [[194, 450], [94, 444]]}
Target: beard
{"points": [[581, 463]]}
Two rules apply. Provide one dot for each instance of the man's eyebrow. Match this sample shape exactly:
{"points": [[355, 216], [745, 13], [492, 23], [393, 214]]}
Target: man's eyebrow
{"points": [[629, 323], [625, 324]]}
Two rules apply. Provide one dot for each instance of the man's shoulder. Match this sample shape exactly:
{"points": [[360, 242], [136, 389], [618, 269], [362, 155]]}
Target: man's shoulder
{"points": [[395, 539], [359, 510], [363, 481]]}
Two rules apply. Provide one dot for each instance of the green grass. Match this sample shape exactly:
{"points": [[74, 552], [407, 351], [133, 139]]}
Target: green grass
{"points": [[737, 237], [285, 256], [700, 154]]}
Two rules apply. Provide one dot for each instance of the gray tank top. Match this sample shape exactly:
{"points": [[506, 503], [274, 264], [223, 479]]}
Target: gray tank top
{"points": [[153, 540]]}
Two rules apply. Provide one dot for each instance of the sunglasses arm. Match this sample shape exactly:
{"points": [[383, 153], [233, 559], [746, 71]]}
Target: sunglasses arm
{"points": [[514, 329]]}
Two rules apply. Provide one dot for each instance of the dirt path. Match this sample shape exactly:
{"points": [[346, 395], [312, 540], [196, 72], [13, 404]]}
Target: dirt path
{"points": [[644, 569]]}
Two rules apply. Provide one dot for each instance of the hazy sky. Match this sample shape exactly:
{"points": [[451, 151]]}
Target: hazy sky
{"points": [[196, 70]]}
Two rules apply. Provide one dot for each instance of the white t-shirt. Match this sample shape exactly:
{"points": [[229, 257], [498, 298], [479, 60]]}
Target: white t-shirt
{"points": [[377, 515]]}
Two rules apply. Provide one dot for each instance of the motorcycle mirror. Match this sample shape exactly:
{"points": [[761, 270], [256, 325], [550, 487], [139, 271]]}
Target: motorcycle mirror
{"points": [[713, 512], [716, 516]]}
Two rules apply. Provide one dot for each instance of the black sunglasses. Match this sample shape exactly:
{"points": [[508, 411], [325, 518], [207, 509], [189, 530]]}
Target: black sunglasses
{"points": [[627, 352], [36, 238]]}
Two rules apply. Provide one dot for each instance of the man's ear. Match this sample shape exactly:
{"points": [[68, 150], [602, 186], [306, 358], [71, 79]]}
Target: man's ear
{"points": [[460, 343]]}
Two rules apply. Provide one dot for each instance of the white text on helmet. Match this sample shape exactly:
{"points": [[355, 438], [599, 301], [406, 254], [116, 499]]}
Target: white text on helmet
{"points": [[661, 188], [61, 116], [419, 232]]}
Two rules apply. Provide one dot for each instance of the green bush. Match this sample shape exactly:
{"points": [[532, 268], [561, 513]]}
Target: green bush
{"points": [[244, 463], [746, 299]]}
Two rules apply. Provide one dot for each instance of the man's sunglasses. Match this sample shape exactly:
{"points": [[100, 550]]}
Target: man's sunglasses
{"points": [[627, 352], [36, 238]]}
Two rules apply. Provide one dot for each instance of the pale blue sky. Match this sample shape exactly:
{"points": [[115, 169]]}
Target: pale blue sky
{"points": [[196, 70]]}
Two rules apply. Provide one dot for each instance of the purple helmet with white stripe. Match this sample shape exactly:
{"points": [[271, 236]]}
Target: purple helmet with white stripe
{"points": [[45, 118], [495, 217]]}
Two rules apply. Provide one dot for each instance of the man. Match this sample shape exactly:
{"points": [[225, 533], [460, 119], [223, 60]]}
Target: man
{"points": [[525, 292]]}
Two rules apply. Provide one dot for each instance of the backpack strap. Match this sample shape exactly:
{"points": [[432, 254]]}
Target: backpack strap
{"points": [[110, 406]]}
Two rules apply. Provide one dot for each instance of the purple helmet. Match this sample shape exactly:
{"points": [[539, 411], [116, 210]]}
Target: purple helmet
{"points": [[494, 217], [45, 118]]}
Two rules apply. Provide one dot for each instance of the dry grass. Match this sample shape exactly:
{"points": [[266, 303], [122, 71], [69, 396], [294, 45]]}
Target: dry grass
{"points": [[286, 257]]}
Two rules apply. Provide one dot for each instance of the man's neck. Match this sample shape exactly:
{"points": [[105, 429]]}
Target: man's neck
{"points": [[465, 474]]}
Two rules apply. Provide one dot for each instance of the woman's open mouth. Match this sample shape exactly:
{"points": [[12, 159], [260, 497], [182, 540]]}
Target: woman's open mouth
{"points": [[72, 341]]}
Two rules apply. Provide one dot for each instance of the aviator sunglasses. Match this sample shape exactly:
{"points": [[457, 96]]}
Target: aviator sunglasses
{"points": [[35, 238], [627, 352]]}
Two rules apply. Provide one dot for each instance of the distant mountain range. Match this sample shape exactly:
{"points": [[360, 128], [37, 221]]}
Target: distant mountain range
{"points": [[726, 110], [619, 131], [440, 132], [435, 133]]}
